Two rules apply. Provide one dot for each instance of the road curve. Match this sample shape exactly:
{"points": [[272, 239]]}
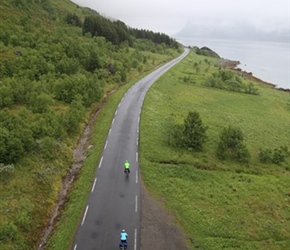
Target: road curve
{"points": [[114, 201]]}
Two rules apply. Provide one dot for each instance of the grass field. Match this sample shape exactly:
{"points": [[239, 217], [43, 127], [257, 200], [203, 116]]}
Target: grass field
{"points": [[219, 204]]}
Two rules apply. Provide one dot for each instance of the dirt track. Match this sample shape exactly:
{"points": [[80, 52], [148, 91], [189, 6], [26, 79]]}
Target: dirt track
{"points": [[159, 229]]}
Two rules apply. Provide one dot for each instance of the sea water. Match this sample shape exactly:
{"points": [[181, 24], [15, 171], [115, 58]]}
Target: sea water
{"points": [[269, 61]]}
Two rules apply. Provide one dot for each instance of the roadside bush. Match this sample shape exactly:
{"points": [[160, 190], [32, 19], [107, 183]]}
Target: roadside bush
{"points": [[265, 155], [226, 75], [187, 79], [213, 82], [277, 155], [250, 89], [234, 85], [231, 145]]}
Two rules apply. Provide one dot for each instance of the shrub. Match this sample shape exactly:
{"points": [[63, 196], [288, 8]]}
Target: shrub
{"points": [[213, 82], [250, 89], [231, 145], [265, 155], [277, 155]]}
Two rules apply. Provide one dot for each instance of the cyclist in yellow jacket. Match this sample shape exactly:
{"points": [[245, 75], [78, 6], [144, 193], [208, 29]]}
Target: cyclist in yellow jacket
{"points": [[127, 166]]}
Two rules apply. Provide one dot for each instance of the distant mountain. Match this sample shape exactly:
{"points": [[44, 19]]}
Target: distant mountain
{"points": [[235, 31]]}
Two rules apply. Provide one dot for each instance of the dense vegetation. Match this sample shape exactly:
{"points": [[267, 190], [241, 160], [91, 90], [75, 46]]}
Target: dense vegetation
{"points": [[233, 192], [58, 62]]}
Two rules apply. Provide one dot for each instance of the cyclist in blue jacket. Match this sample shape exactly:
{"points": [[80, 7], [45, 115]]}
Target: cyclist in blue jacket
{"points": [[124, 236]]}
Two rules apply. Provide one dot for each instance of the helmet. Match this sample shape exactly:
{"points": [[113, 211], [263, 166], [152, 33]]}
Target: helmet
{"points": [[123, 230]]}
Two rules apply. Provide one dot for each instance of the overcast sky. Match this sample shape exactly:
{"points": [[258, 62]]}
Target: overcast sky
{"points": [[170, 16]]}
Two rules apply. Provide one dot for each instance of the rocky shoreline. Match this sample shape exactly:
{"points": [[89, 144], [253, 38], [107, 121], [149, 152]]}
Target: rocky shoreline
{"points": [[233, 65]]}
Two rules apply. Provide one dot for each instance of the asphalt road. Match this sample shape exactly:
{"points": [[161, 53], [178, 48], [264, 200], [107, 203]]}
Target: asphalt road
{"points": [[114, 201]]}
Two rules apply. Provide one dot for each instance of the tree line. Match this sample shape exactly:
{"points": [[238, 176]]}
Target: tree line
{"points": [[52, 70]]}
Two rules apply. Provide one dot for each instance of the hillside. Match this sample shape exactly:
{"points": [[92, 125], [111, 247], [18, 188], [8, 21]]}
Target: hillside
{"points": [[58, 63]]}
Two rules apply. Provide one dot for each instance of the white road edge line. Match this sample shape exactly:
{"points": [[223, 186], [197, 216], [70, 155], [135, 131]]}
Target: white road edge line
{"points": [[136, 176], [85, 214], [136, 203], [101, 162], [110, 131], [76, 245], [93, 188], [135, 240], [106, 144], [116, 112], [136, 156], [113, 121]]}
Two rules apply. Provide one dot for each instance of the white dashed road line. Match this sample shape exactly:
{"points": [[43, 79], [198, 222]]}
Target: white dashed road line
{"points": [[136, 203], [94, 185], [135, 239], [85, 215], [101, 162]]}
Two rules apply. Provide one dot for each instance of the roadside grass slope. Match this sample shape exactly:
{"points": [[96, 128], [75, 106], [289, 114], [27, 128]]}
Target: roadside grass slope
{"points": [[219, 204]]}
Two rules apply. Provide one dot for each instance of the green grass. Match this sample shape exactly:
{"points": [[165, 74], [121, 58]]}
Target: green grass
{"points": [[219, 204]]}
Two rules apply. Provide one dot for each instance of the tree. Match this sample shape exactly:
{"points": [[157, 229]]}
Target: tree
{"points": [[16, 137], [6, 96], [193, 131], [73, 19], [40, 102]]}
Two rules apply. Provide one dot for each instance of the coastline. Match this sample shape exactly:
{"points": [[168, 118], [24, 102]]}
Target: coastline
{"points": [[267, 61], [233, 65]]}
